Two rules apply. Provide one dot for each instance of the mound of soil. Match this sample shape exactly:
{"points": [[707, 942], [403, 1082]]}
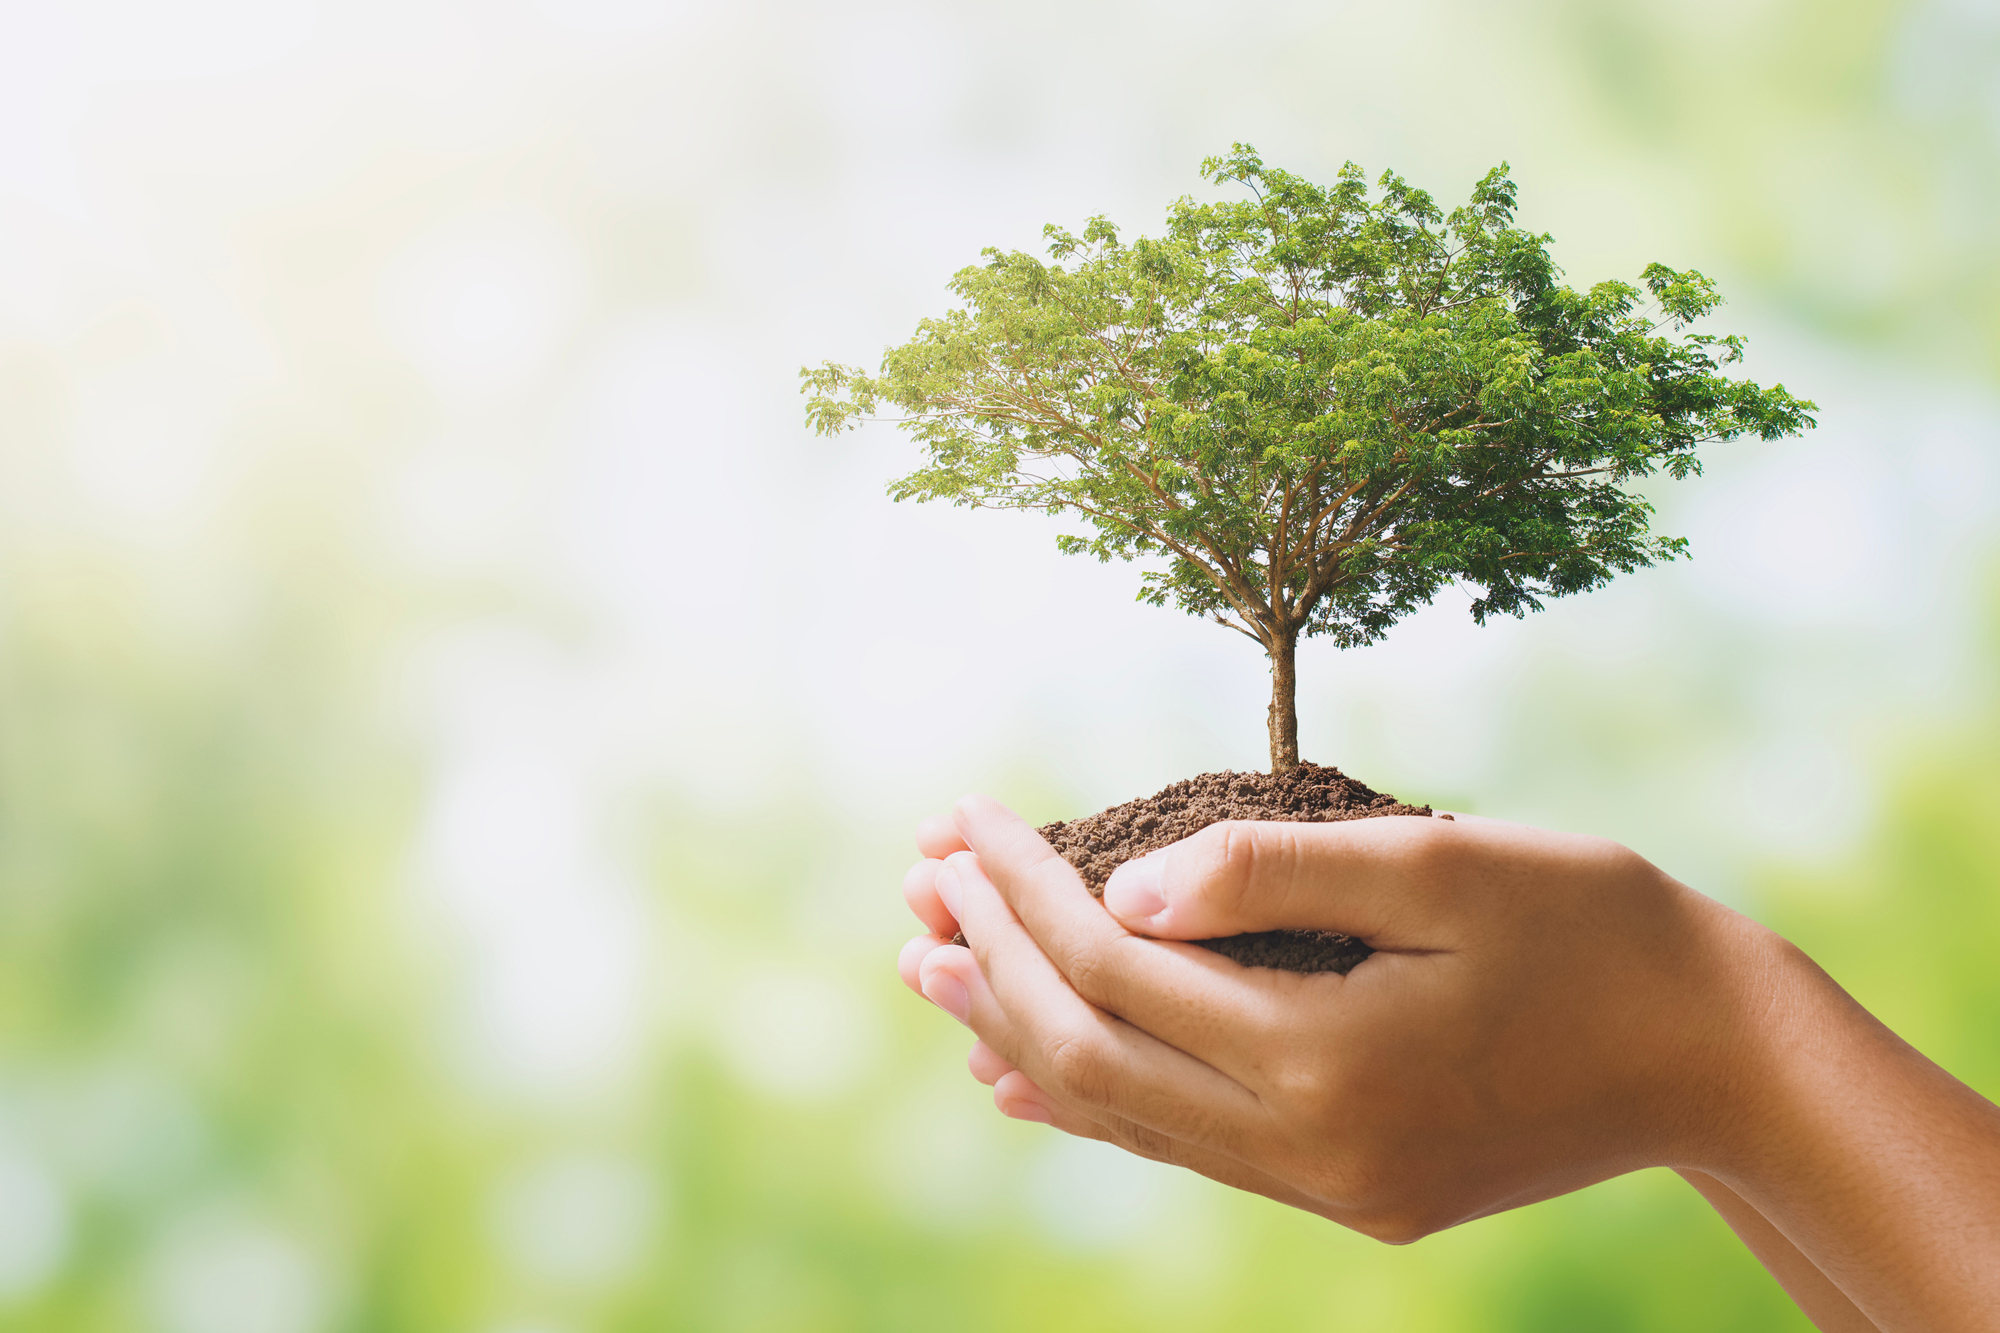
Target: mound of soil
{"points": [[1310, 794]]}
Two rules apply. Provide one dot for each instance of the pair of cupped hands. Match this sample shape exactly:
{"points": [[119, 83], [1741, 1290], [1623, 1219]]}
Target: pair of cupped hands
{"points": [[1542, 1011]]}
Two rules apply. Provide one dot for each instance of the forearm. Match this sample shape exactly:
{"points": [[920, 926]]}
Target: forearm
{"points": [[1877, 1165], [1812, 1290]]}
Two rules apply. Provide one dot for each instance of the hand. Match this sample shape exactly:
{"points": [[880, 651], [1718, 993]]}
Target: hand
{"points": [[1542, 1011]]}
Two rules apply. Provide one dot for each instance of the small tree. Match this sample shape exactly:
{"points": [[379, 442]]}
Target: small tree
{"points": [[1318, 409]]}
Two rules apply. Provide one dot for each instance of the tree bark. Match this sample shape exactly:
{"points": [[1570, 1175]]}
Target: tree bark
{"points": [[1284, 714]]}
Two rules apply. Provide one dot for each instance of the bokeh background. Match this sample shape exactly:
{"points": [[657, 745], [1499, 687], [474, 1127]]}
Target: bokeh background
{"points": [[459, 733]]}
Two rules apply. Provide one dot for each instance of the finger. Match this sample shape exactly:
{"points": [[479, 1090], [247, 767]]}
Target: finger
{"points": [[1016, 1097], [937, 837], [989, 1068], [986, 1064], [1191, 998], [1370, 878], [909, 962], [946, 976], [920, 892], [1009, 993]]}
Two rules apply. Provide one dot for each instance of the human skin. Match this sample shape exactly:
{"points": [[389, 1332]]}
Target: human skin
{"points": [[1543, 1011]]}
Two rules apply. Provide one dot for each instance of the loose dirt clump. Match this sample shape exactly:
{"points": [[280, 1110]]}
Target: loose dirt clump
{"points": [[1310, 794]]}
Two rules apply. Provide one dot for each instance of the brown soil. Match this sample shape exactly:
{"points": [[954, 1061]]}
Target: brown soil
{"points": [[1098, 844]]}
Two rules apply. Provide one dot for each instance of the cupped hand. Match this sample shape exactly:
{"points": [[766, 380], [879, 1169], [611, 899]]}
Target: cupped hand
{"points": [[1542, 1010]]}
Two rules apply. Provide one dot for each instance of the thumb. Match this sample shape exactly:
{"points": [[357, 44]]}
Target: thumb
{"points": [[1359, 877]]}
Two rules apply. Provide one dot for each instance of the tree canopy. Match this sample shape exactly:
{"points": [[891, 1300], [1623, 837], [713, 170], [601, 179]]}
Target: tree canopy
{"points": [[1317, 406]]}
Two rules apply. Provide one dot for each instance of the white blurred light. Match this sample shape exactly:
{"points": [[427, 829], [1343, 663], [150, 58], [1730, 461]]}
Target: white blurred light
{"points": [[1981, 13], [614, 16], [1423, 702], [34, 1224], [937, 1154], [894, 74], [1794, 544], [586, 1218], [512, 851], [226, 1274], [680, 524], [190, 38], [676, 494], [1953, 466], [56, 57], [562, 948], [144, 439], [481, 304], [1091, 1196], [458, 507], [556, 1006], [797, 1035], [1809, 799]]}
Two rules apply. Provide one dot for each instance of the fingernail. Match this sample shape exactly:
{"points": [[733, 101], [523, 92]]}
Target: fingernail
{"points": [[912, 954], [1025, 1110], [1133, 891], [948, 993], [947, 888]]}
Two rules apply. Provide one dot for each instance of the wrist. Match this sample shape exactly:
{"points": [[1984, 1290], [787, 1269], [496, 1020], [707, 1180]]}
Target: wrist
{"points": [[1753, 1018], [1780, 1019]]}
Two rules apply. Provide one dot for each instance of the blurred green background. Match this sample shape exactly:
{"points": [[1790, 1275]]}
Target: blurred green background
{"points": [[459, 734]]}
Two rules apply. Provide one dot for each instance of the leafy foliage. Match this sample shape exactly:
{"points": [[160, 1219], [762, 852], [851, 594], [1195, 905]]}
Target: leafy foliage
{"points": [[1316, 407]]}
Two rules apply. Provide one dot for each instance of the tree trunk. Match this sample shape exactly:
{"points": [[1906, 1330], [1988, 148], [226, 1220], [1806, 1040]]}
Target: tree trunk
{"points": [[1284, 715]]}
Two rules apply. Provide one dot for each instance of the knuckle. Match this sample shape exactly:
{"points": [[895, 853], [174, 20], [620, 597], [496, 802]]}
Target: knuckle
{"points": [[1076, 1066], [1302, 1083], [1245, 861], [1088, 971], [1430, 859], [1293, 1068], [1101, 969], [1429, 847]]}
